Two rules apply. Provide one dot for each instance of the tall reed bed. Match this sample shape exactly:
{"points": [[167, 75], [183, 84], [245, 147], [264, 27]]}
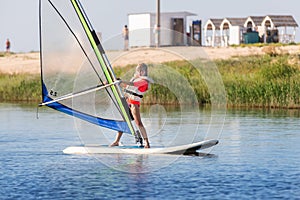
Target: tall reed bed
{"points": [[271, 81], [262, 81], [176, 82], [20, 87]]}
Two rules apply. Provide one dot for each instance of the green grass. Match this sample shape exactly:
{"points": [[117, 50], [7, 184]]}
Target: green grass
{"points": [[265, 81], [20, 87], [269, 81], [174, 83], [264, 45]]}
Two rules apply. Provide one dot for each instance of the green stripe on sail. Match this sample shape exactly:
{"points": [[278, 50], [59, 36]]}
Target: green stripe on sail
{"points": [[102, 63]]}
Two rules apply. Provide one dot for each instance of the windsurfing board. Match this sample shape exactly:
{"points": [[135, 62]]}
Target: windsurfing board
{"points": [[182, 149]]}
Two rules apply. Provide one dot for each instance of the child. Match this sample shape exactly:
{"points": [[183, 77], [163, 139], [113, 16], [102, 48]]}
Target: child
{"points": [[134, 91]]}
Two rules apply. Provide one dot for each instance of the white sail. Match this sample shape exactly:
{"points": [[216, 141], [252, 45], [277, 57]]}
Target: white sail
{"points": [[77, 78]]}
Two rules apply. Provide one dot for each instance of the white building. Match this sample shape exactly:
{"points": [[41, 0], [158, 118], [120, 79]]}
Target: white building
{"points": [[212, 33], [281, 28], [254, 23], [232, 31], [172, 32]]}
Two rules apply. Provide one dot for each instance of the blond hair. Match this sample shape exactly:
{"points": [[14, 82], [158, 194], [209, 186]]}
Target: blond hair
{"points": [[142, 68]]}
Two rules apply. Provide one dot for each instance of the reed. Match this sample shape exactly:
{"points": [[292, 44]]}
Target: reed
{"points": [[265, 81], [176, 82], [20, 87], [270, 81]]}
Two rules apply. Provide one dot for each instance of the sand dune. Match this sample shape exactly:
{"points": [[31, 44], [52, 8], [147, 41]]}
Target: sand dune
{"points": [[30, 62]]}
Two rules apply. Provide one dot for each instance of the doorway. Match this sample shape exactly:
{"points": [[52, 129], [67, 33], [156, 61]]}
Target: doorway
{"points": [[178, 31]]}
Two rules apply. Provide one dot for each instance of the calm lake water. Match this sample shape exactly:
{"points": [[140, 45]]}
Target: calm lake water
{"points": [[258, 157]]}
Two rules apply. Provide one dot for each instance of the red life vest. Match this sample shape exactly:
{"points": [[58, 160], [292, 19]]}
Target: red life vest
{"points": [[136, 91]]}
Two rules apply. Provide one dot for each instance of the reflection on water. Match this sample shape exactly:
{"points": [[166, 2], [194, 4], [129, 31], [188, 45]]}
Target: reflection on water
{"points": [[129, 163], [257, 157], [166, 126]]}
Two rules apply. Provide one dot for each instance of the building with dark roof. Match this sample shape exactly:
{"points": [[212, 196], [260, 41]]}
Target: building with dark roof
{"points": [[230, 31], [279, 28], [212, 32]]}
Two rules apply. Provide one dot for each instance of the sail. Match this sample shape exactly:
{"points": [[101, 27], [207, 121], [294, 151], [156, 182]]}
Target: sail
{"points": [[77, 78]]}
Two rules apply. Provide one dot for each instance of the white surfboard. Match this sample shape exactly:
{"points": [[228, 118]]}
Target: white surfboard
{"points": [[182, 149]]}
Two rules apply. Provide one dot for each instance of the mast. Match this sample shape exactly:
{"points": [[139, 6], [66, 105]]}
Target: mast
{"points": [[107, 69]]}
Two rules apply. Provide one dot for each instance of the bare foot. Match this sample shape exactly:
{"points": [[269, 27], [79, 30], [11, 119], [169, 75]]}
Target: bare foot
{"points": [[114, 144], [147, 146]]}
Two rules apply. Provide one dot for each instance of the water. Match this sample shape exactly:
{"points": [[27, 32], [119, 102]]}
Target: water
{"points": [[257, 157]]}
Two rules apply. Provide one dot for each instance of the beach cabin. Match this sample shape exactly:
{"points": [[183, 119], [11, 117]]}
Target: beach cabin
{"points": [[279, 28], [232, 31], [173, 29], [253, 26], [212, 34]]}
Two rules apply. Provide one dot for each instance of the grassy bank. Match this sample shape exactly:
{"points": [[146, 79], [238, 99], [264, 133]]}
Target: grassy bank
{"points": [[174, 82], [20, 87], [269, 81], [252, 81], [262, 81]]}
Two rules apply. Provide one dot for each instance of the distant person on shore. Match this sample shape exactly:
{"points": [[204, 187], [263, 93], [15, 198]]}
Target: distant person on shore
{"points": [[7, 46], [134, 91], [126, 37]]}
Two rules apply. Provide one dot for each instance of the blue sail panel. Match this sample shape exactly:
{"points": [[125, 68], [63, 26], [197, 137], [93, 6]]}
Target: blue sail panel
{"points": [[106, 123]]}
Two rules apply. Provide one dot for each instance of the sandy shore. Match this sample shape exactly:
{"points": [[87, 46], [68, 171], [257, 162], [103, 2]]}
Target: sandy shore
{"points": [[30, 63]]}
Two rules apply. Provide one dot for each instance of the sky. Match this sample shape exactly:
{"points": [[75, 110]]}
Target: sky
{"points": [[19, 18]]}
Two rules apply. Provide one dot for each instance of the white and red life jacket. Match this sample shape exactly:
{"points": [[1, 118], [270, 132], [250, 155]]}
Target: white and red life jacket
{"points": [[136, 91]]}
